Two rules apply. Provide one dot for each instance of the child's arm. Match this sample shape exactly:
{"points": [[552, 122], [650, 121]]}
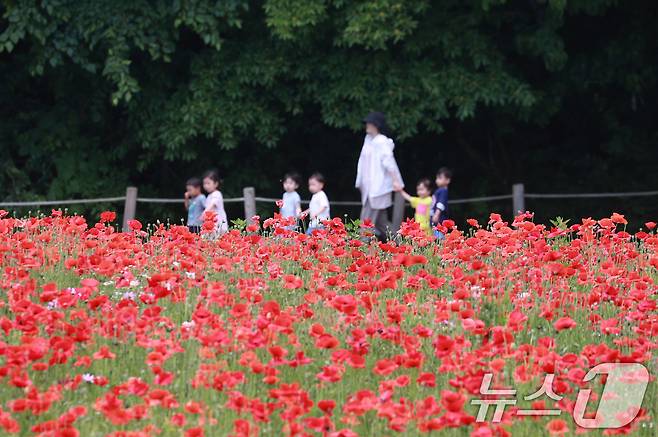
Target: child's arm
{"points": [[406, 195], [210, 205], [187, 200], [396, 183], [441, 201], [437, 212], [298, 206]]}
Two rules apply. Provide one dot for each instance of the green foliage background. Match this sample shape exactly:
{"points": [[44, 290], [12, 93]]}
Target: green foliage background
{"points": [[559, 94]]}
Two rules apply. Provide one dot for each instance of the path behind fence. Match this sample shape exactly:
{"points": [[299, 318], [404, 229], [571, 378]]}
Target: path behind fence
{"points": [[249, 199]]}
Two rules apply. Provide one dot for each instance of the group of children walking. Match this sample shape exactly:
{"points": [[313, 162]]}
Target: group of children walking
{"points": [[431, 208], [291, 205], [197, 204]]}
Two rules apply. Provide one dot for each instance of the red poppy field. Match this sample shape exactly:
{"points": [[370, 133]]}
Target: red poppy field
{"points": [[269, 332]]}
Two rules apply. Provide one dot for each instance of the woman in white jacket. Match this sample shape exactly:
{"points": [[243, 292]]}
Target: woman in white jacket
{"points": [[377, 173]]}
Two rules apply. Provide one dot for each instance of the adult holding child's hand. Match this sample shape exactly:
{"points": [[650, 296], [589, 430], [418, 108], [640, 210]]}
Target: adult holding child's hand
{"points": [[377, 173]]}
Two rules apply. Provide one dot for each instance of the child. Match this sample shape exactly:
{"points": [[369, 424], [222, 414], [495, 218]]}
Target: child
{"points": [[195, 203], [215, 201], [292, 203], [422, 203], [318, 209], [440, 199]]}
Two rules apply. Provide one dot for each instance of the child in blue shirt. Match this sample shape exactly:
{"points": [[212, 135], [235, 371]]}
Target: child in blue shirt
{"points": [[440, 199], [292, 203], [195, 203]]}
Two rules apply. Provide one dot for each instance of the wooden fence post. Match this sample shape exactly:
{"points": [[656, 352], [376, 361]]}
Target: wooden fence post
{"points": [[398, 211], [249, 194], [130, 207], [518, 199]]}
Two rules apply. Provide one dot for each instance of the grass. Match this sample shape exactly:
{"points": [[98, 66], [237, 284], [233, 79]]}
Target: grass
{"points": [[509, 270]]}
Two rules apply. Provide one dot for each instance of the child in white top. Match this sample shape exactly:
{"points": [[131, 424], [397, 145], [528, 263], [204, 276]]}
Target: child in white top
{"points": [[215, 201], [318, 209]]}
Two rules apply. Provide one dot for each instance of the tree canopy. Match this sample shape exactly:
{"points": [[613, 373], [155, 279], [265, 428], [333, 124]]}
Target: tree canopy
{"points": [[559, 94]]}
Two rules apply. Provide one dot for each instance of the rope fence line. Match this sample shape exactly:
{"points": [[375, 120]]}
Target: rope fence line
{"points": [[306, 202], [249, 199], [180, 201], [591, 195], [64, 202], [481, 199], [334, 202], [234, 200]]}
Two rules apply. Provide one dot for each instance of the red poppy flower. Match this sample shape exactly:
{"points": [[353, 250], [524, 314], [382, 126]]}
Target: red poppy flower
{"points": [[557, 427], [452, 401], [327, 405], [564, 323], [108, 216], [134, 225], [385, 367]]}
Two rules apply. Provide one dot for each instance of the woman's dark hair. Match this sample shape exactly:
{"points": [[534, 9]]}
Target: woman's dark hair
{"points": [[426, 183], [193, 182], [294, 176], [378, 119], [213, 175], [318, 177]]}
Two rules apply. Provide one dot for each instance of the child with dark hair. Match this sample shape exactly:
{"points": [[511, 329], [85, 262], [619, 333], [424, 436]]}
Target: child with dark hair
{"points": [[215, 201], [421, 203], [195, 203], [318, 209], [292, 203], [440, 199]]}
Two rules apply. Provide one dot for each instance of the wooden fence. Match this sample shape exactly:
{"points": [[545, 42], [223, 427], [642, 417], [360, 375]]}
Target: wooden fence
{"points": [[249, 200]]}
